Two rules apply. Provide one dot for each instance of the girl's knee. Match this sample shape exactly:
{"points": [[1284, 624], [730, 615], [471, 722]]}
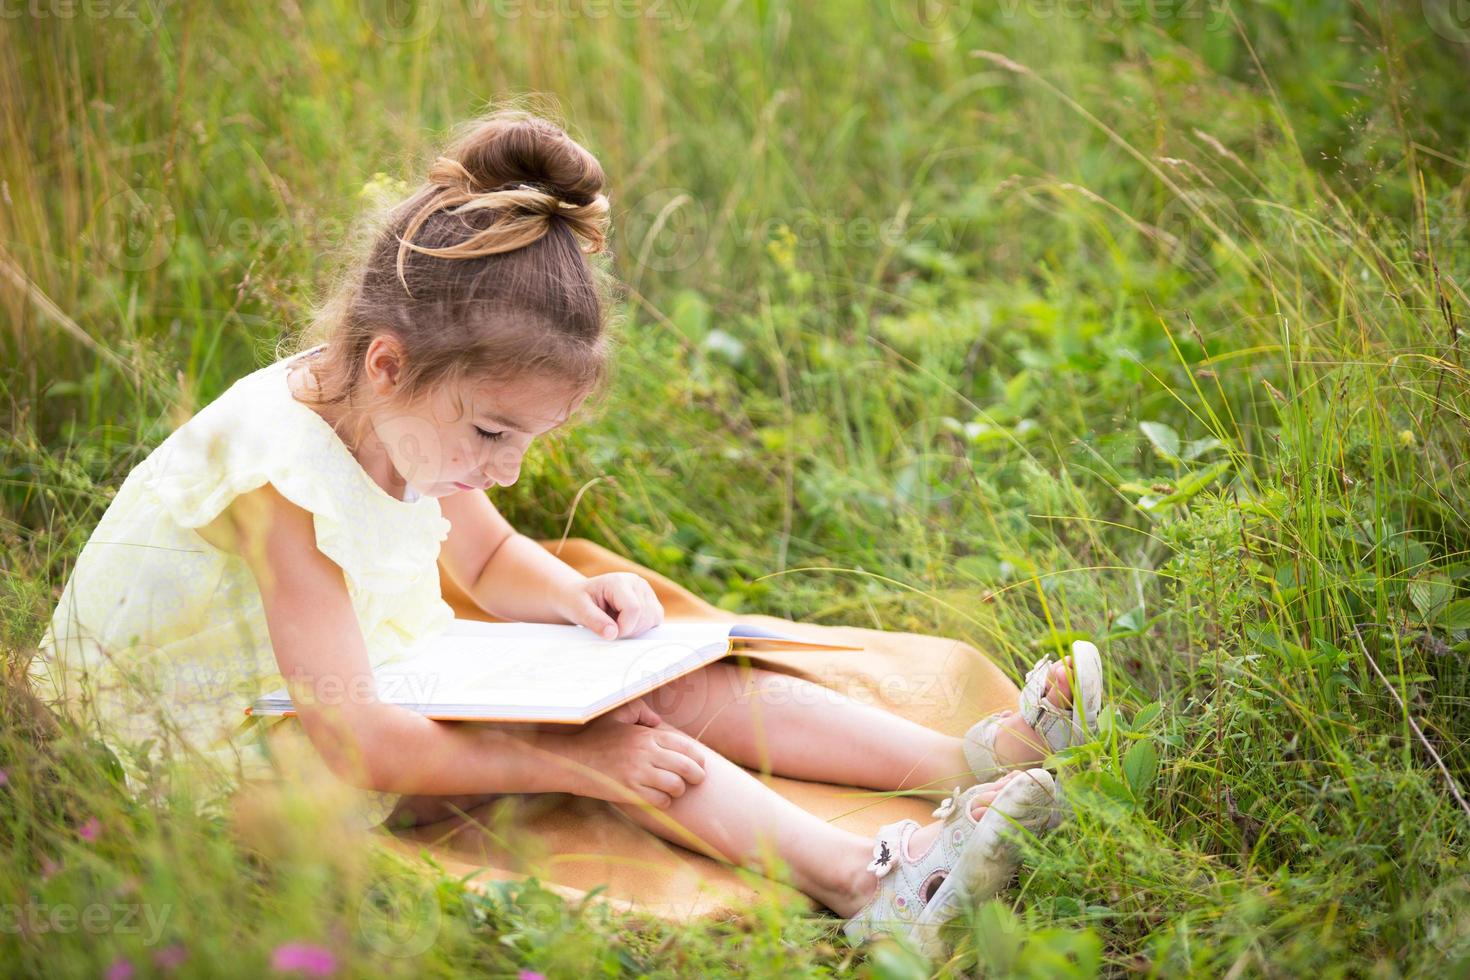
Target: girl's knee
{"points": [[687, 698]]}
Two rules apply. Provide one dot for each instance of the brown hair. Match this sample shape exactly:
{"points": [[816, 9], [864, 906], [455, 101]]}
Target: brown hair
{"points": [[485, 272]]}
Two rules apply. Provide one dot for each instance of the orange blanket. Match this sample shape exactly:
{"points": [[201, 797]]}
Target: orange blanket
{"points": [[574, 844]]}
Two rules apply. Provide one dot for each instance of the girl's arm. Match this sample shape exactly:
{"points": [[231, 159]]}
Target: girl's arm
{"points": [[512, 577], [507, 574], [323, 657]]}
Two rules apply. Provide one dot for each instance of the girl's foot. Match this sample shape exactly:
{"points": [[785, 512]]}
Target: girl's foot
{"points": [[918, 888], [1017, 743], [864, 883], [1046, 719]]}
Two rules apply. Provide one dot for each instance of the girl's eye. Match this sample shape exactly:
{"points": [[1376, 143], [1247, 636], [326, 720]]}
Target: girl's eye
{"points": [[492, 436]]}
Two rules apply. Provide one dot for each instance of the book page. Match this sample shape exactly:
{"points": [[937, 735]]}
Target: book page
{"points": [[530, 666]]}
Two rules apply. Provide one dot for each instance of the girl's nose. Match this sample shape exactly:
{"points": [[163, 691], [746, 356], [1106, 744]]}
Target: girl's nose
{"points": [[505, 466]]}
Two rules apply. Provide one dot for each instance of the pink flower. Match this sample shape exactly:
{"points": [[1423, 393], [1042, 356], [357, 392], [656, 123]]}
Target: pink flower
{"points": [[120, 970], [4, 777], [89, 830], [314, 961], [48, 868], [530, 975], [171, 957]]}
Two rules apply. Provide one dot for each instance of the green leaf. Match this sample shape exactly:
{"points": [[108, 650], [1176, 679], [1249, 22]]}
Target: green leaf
{"points": [[1165, 439], [1191, 484], [1060, 952], [1058, 639], [1141, 766], [1146, 715], [1131, 621], [1196, 448], [1188, 486], [1105, 785], [1454, 616], [999, 936], [891, 961], [1430, 594]]}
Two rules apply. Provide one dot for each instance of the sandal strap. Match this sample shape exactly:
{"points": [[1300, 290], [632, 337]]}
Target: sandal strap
{"points": [[1053, 724], [979, 748], [890, 844]]}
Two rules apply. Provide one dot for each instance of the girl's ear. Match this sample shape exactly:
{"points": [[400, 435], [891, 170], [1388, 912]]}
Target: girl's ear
{"points": [[383, 363]]}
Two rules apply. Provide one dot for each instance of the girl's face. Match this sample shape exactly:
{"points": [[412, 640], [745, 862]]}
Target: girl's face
{"points": [[439, 448]]}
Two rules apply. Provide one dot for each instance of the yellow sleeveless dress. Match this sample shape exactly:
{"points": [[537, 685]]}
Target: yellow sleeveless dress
{"points": [[159, 640]]}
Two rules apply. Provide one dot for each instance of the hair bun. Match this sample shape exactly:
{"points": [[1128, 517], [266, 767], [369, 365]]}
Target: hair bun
{"points": [[515, 147], [516, 164]]}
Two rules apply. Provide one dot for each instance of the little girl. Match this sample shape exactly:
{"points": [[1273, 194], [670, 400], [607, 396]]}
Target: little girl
{"points": [[289, 533]]}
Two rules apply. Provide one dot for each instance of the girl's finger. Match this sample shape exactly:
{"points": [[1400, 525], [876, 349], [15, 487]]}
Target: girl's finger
{"points": [[589, 613], [667, 780], [677, 741], [628, 608], [681, 765], [658, 798], [646, 621]]}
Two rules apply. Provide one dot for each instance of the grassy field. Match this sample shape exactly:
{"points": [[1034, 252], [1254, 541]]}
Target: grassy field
{"points": [[1122, 320]]}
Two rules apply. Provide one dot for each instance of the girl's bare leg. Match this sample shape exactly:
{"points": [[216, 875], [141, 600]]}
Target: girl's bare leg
{"points": [[781, 724], [777, 723], [733, 817]]}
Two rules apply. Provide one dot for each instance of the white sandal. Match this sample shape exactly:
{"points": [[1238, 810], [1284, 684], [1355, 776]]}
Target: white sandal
{"points": [[968, 859], [1057, 729]]}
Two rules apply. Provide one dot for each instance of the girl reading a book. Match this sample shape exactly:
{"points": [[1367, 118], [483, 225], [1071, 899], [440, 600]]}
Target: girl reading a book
{"points": [[290, 533]]}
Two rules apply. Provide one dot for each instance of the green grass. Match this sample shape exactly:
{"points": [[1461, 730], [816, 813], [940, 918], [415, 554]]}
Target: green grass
{"points": [[1050, 321]]}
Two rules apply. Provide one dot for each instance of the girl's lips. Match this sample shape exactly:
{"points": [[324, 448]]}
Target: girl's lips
{"points": [[464, 486]]}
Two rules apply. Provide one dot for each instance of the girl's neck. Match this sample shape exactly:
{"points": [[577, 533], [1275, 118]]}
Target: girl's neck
{"points": [[375, 463]]}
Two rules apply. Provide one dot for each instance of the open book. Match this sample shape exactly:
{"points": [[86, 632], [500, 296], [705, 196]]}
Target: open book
{"points": [[537, 672]]}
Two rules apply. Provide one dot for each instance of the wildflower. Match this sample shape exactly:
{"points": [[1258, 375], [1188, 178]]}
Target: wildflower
{"points": [[530, 975], [4, 777], [314, 961], [89, 830], [48, 868], [1406, 438], [120, 970], [171, 957]]}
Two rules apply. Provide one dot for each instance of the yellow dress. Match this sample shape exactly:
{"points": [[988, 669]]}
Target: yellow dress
{"points": [[159, 640]]}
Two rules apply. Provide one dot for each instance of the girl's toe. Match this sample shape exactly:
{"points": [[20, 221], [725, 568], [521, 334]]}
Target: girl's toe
{"points": [[1060, 693], [983, 799]]}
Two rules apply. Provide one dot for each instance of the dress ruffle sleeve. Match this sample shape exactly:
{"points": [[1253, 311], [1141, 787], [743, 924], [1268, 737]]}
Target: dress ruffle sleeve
{"points": [[201, 467]]}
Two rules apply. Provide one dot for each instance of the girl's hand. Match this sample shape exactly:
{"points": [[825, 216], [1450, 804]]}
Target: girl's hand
{"points": [[631, 749], [614, 605]]}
